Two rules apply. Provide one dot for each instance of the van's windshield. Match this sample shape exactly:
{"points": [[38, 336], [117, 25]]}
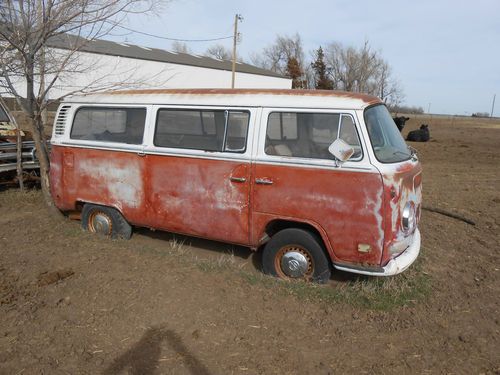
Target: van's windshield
{"points": [[387, 142]]}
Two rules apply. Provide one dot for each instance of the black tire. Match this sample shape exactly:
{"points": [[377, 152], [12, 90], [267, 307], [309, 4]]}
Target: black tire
{"points": [[106, 221], [299, 246]]}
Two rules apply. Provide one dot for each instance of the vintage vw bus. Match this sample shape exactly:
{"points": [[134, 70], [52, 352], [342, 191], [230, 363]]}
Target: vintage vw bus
{"points": [[316, 179]]}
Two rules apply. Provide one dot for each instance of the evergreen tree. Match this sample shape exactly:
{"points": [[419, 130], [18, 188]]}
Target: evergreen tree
{"points": [[294, 71], [322, 81]]}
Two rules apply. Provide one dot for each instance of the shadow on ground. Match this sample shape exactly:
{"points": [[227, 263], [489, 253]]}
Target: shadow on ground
{"points": [[144, 357]]}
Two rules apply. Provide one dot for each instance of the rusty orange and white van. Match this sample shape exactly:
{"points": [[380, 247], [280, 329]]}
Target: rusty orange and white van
{"points": [[318, 180]]}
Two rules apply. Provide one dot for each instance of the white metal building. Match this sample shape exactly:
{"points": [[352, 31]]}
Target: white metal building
{"points": [[103, 64]]}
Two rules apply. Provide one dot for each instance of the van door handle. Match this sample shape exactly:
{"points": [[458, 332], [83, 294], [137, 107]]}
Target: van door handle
{"points": [[263, 181], [238, 179]]}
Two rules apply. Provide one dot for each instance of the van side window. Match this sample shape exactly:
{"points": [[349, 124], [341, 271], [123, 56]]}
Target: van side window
{"points": [[308, 135], [237, 129], [349, 134], [282, 126], [207, 130], [124, 125]]}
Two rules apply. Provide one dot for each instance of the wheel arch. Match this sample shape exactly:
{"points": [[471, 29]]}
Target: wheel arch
{"points": [[116, 224], [276, 225], [79, 203]]}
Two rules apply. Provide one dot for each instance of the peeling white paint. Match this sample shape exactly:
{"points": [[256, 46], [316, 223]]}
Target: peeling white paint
{"points": [[375, 208], [123, 182], [339, 204], [228, 198], [405, 195]]}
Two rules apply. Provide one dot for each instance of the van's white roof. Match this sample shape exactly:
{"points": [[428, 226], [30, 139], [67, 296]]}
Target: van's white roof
{"points": [[232, 97]]}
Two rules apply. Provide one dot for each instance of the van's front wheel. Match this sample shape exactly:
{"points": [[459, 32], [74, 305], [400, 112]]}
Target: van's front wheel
{"points": [[296, 254], [106, 221]]}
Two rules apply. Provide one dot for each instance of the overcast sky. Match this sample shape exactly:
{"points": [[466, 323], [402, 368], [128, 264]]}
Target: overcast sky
{"points": [[445, 53]]}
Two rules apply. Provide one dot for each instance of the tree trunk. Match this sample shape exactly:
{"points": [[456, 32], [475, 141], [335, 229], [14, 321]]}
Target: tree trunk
{"points": [[33, 110], [43, 159], [19, 158]]}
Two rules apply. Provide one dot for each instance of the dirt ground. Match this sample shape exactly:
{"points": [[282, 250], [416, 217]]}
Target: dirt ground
{"points": [[73, 303]]}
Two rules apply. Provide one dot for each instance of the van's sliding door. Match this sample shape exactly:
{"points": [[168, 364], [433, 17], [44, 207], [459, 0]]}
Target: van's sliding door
{"points": [[199, 172]]}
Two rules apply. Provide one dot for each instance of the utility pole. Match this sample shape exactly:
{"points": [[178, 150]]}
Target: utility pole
{"points": [[493, 105], [237, 18]]}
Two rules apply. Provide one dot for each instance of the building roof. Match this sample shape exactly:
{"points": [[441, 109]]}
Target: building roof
{"points": [[324, 99], [106, 47]]}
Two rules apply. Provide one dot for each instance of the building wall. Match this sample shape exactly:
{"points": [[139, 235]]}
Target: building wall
{"points": [[91, 72]]}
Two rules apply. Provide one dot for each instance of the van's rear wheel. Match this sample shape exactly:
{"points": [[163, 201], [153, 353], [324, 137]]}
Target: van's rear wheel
{"points": [[106, 221], [296, 254]]}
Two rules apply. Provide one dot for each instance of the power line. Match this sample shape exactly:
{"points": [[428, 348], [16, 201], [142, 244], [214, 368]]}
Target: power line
{"points": [[171, 39]]}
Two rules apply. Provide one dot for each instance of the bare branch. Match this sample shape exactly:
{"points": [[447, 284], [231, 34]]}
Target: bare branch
{"points": [[28, 31]]}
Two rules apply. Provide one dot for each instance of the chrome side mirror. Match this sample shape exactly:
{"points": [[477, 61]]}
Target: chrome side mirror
{"points": [[341, 150]]}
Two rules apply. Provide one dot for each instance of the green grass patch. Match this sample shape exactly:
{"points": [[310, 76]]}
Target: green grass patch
{"points": [[374, 293]]}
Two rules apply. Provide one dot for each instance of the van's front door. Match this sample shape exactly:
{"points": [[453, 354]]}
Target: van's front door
{"points": [[202, 192], [296, 180]]}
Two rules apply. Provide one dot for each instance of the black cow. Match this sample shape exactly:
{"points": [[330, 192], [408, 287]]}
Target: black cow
{"points": [[420, 135], [400, 122]]}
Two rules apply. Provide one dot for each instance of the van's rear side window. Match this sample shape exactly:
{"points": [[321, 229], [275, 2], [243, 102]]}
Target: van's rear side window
{"points": [[122, 125]]}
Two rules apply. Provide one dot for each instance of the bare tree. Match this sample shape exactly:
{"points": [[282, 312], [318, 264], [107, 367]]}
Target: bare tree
{"points": [[389, 88], [218, 51], [284, 56], [26, 29], [180, 47], [362, 70], [258, 60]]}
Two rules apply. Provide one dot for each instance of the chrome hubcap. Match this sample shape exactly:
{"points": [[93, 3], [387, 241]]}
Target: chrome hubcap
{"points": [[101, 223], [294, 264]]}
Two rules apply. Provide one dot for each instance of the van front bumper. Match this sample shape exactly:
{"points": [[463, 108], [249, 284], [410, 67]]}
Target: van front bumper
{"points": [[395, 265]]}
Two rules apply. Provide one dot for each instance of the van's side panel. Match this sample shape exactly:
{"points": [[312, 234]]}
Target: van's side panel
{"points": [[57, 186], [347, 205], [199, 196], [106, 177], [195, 196]]}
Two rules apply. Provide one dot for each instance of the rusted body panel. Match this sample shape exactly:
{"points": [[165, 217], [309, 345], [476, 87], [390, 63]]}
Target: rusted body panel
{"points": [[201, 197], [345, 206], [179, 194], [105, 177], [367, 99], [211, 198], [402, 184], [326, 99]]}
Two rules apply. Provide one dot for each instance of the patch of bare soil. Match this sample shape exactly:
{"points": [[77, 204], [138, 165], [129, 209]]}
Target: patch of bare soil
{"points": [[158, 304]]}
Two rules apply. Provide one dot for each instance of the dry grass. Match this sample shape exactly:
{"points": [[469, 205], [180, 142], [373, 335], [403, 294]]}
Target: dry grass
{"points": [[373, 293], [29, 197], [361, 291]]}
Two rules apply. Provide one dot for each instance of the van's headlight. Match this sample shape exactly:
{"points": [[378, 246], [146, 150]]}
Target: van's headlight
{"points": [[408, 218]]}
